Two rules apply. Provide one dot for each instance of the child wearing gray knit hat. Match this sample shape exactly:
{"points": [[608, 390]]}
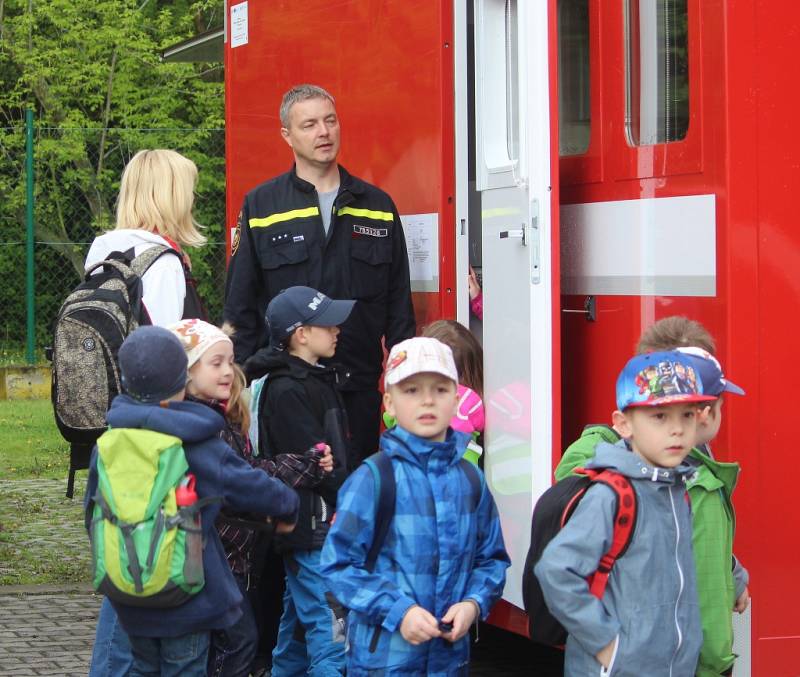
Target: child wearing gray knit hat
{"points": [[152, 365]]}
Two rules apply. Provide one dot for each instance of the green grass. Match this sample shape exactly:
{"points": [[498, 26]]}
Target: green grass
{"points": [[42, 539], [30, 444]]}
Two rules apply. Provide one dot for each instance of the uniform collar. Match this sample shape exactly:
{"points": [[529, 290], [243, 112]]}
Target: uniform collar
{"points": [[347, 182]]}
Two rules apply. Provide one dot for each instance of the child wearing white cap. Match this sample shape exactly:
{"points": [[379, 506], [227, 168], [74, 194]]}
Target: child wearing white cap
{"points": [[441, 562]]}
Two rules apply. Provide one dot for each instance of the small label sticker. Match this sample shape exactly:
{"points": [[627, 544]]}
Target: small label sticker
{"points": [[372, 232], [239, 31]]}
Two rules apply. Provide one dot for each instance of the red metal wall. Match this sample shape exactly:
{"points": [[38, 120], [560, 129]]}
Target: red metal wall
{"points": [[389, 65], [742, 145]]}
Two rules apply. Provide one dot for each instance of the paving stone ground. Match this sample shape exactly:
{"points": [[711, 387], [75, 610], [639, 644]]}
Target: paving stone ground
{"points": [[46, 634]]}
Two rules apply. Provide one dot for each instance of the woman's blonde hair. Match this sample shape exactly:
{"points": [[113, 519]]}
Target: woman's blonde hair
{"points": [[467, 351], [156, 194]]}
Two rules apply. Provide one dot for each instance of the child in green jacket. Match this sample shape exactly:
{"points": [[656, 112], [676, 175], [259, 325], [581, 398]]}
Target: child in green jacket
{"points": [[721, 579]]}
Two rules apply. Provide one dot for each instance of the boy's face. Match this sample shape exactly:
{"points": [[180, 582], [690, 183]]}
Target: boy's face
{"points": [[315, 342], [423, 404], [662, 435]]}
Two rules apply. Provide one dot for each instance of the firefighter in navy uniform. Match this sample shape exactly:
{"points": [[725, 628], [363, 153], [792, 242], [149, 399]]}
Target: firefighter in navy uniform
{"points": [[320, 227]]}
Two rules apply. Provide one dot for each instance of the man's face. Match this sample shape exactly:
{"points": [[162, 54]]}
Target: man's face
{"points": [[313, 132], [663, 435]]}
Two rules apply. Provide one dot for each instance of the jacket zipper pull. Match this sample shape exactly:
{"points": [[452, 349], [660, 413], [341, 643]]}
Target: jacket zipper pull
{"points": [[313, 522]]}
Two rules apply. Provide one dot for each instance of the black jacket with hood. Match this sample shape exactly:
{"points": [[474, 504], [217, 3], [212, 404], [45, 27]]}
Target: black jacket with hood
{"points": [[301, 406]]}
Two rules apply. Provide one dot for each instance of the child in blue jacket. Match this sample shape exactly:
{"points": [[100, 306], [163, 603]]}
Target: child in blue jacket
{"points": [[175, 641], [647, 621], [443, 562]]}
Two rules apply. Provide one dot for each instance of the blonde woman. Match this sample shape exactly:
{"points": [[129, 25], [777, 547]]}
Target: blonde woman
{"points": [[155, 203], [156, 196]]}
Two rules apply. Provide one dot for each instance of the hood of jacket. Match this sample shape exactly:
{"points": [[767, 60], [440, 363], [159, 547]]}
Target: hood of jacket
{"points": [[277, 362], [119, 241], [190, 421], [619, 458]]}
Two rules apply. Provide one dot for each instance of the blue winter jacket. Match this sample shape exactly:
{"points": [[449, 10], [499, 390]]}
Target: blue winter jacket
{"points": [[219, 472], [439, 550], [650, 603]]}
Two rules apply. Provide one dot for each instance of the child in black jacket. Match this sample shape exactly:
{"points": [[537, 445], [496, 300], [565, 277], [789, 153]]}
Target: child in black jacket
{"points": [[299, 408]]}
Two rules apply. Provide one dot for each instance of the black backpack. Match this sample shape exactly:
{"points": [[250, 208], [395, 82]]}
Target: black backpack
{"points": [[89, 329], [553, 509]]}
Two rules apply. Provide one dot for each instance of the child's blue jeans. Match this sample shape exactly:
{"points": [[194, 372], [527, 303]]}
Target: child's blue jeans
{"points": [[111, 655], [310, 638], [184, 656]]}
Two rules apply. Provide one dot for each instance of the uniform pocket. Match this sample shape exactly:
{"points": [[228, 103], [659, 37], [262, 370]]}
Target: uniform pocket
{"points": [[284, 259], [369, 266]]}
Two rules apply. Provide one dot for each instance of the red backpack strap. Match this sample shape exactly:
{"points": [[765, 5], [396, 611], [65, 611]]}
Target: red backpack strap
{"points": [[624, 524]]}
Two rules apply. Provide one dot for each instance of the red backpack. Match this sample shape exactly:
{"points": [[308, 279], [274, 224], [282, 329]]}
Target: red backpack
{"points": [[552, 511]]}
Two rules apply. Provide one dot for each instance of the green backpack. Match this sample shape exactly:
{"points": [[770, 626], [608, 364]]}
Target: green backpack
{"points": [[146, 536]]}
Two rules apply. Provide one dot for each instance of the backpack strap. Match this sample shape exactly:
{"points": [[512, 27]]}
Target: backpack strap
{"points": [[625, 516], [141, 264], [385, 498], [475, 482]]}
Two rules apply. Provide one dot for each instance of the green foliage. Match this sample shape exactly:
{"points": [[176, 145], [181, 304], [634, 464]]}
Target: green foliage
{"points": [[90, 70]]}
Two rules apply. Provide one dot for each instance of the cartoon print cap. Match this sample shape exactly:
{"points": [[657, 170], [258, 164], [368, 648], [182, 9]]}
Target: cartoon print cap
{"points": [[654, 379], [297, 306], [710, 371], [419, 355]]}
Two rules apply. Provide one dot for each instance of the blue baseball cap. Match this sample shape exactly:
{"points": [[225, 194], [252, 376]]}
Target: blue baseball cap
{"points": [[654, 379], [710, 371], [297, 306]]}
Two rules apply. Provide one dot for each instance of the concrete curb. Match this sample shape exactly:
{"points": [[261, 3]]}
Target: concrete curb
{"points": [[68, 588]]}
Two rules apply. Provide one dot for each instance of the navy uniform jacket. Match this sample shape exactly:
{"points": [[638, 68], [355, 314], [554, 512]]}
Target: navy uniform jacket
{"points": [[280, 242]]}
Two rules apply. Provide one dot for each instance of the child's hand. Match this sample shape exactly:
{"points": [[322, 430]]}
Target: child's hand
{"points": [[419, 626], [326, 460], [284, 527], [605, 654], [743, 602], [474, 287], [461, 615]]}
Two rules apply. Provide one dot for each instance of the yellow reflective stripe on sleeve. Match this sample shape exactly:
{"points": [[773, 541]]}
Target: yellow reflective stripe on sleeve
{"points": [[366, 214], [284, 216]]}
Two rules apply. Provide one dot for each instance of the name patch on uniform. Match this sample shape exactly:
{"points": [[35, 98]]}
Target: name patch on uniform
{"points": [[298, 238], [372, 232]]}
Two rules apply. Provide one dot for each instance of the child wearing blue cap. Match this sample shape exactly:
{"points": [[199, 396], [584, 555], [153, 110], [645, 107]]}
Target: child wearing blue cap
{"points": [[647, 622], [721, 579], [299, 407]]}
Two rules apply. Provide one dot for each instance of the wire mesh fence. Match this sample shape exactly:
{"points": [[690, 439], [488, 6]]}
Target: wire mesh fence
{"points": [[76, 180]]}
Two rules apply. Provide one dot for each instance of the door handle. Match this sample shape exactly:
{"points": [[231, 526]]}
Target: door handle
{"points": [[518, 233]]}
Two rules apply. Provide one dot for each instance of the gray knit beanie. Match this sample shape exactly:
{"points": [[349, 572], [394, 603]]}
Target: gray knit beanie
{"points": [[152, 364]]}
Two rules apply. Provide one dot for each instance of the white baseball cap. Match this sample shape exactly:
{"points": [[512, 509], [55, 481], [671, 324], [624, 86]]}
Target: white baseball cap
{"points": [[419, 355]]}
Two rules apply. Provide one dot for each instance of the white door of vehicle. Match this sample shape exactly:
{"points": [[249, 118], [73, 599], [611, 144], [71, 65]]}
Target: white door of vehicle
{"points": [[513, 177]]}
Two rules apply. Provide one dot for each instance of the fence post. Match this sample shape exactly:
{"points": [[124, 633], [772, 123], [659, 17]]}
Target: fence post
{"points": [[30, 348]]}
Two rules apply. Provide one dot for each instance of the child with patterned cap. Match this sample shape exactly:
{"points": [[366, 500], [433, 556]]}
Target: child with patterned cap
{"points": [[647, 622], [153, 368], [215, 381], [442, 563]]}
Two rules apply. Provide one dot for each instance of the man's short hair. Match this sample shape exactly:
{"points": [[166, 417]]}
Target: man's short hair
{"points": [[300, 93], [675, 332]]}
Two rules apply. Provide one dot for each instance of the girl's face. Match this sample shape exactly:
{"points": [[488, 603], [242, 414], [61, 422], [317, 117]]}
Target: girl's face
{"points": [[211, 377]]}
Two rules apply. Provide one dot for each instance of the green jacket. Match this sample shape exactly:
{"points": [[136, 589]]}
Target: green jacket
{"points": [[713, 525]]}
